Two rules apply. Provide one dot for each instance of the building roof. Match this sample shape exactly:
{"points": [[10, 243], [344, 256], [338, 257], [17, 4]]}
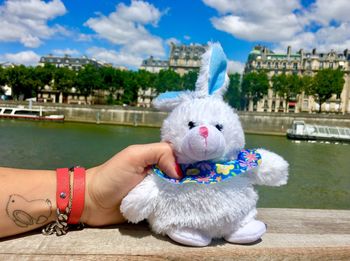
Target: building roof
{"points": [[151, 62], [264, 52], [192, 51], [68, 60]]}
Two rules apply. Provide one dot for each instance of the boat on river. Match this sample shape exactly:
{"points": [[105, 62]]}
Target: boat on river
{"points": [[302, 131], [21, 112]]}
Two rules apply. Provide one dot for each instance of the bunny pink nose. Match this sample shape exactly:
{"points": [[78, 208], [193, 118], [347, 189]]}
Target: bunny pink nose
{"points": [[203, 131]]}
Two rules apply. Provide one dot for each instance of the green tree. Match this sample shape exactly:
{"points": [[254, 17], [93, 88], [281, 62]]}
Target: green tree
{"points": [[306, 82], [64, 79], [19, 79], [109, 82], [88, 80], [44, 74], [189, 80], [326, 83], [2, 80], [145, 79], [254, 86], [233, 94], [168, 80], [130, 87], [287, 85]]}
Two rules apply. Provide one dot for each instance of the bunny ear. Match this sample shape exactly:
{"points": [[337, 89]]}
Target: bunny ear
{"points": [[167, 101], [213, 78]]}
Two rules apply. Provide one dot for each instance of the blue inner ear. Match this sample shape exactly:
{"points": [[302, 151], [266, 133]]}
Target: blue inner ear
{"points": [[169, 95], [217, 69]]}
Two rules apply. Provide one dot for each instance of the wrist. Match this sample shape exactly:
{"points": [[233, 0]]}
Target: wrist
{"points": [[86, 215]]}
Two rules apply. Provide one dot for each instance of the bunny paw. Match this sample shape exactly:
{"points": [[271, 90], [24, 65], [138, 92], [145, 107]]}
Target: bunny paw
{"points": [[249, 233], [189, 237]]}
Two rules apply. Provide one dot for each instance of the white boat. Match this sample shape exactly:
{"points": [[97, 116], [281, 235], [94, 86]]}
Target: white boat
{"points": [[302, 131], [29, 113]]}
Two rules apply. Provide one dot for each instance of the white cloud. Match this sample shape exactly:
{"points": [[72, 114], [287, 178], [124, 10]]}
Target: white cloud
{"points": [[235, 67], [323, 25], [257, 20], [117, 58], [324, 11], [187, 37], [139, 11], [25, 58], [67, 51], [26, 21], [324, 40], [126, 29], [84, 38]]}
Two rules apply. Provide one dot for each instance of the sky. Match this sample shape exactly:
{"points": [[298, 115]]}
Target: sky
{"points": [[126, 32]]}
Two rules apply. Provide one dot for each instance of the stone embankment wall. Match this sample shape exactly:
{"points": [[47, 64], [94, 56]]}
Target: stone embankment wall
{"points": [[262, 123]]}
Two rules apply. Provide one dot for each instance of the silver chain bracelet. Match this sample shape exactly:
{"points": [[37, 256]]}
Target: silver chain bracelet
{"points": [[59, 226]]}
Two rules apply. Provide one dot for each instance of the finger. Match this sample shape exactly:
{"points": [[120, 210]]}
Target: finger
{"points": [[167, 164], [160, 154]]}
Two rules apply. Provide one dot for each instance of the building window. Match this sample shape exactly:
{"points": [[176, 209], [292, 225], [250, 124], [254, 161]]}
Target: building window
{"points": [[305, 104], [321, 65], [276, 65], [308, 65], [258, 65], [269, 65], [295, 66], [331, 65], [284, 66], [265, 106]]}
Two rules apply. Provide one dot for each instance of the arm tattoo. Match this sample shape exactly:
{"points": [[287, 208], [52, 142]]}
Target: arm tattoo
{"points": [[21, 210]]}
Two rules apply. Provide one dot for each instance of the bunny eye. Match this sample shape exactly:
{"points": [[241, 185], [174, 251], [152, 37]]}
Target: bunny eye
{"points": [[191, 124], [219, 127]]}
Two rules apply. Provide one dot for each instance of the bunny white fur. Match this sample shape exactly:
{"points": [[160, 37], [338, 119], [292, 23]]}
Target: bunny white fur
{"points": [[193, 214]]}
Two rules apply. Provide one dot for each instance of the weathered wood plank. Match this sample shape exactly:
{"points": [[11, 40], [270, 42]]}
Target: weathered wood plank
{"points": [[292, 234]]}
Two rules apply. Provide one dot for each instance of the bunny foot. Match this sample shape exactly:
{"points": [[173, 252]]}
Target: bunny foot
{"points": [[189, 237], [249, 233]]}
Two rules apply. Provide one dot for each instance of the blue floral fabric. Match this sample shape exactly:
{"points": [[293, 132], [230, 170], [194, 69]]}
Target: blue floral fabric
{"points": [[208, 172]]}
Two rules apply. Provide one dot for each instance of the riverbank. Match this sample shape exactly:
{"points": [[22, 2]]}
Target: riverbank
{"points": [[253, 122]]}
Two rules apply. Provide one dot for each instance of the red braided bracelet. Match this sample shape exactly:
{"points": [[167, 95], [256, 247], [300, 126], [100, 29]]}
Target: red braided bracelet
{"points": [[78, 198]]}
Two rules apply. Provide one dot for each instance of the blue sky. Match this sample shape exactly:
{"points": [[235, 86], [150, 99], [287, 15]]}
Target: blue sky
{"points": [[125, 32]]}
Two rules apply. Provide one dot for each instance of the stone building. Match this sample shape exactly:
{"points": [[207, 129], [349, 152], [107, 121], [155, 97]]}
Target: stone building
{"points": [[145, 97], [300, 63], [48, 94], [73, 63], [153, 65], [182, 59], [185, 58]]}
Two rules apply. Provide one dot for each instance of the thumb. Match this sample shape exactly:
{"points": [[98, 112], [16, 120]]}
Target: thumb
{"points": [[160, 154]]}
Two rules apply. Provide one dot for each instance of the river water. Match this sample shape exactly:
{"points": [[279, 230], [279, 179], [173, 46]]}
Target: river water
{"points": [[319, 172]]}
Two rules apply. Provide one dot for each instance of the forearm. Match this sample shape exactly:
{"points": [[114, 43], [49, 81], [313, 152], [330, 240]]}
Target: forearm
{"points": [[27, 200]]}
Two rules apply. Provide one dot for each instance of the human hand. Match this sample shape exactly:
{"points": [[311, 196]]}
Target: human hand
{"points": [[109, 183]]}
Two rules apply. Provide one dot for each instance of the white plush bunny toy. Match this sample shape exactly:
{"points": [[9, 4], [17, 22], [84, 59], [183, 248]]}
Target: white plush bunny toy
{"points": [[215, 198]]}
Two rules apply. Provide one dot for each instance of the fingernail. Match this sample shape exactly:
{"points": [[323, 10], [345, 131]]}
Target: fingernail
{"points": [[178, 170]]}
